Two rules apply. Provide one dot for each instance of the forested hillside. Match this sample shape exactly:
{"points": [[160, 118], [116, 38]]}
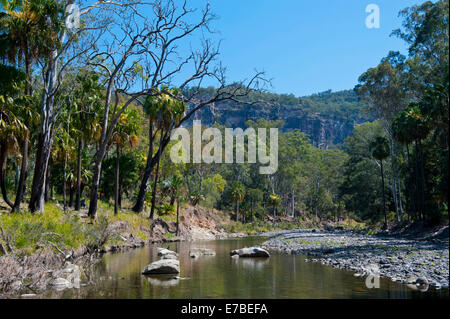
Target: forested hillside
{"points": [[327, 117]]}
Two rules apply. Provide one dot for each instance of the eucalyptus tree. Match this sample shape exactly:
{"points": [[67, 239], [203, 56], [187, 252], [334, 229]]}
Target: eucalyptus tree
{"points": [[380, 151], [62, 42], [385, 88], [425, 30]]}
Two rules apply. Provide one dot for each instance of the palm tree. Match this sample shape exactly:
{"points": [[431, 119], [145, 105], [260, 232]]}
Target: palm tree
{"points": [[380, 151], [125, 133], [411, 126], [237, 195], [401, 133], [274, 201], [165, 112], [20, 45], [11, 124], [87, 104], [173, 185]]}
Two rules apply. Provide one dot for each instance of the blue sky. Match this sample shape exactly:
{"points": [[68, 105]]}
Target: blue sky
{"points": [[305, 46]]}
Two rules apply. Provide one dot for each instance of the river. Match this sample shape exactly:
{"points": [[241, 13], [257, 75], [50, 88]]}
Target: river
{"points": [[280, 276]]}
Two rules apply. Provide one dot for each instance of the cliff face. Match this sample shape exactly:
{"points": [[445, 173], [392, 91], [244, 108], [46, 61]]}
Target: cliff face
{"points": [[324, 130]]}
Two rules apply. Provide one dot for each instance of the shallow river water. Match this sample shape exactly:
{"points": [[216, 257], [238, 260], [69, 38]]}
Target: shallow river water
{"points": [[119, 276]]}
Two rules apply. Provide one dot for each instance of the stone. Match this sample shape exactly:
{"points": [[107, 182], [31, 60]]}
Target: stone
{"points": [[422, 281], [163, 266], [163, 252], [169, 256], [250, 252], [60, 283], [197, 252]]}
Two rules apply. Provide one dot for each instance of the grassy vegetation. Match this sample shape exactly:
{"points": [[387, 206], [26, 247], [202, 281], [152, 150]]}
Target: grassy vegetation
{"points": [[27, 232]]}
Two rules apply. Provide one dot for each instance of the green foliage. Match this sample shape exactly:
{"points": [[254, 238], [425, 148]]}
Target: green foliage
{"points": [[30, 230], [380, 148], [128, 175], [212, 188], [165, 209]]}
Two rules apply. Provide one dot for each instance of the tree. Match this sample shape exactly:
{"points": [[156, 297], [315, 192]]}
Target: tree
{"points": [[125, 133], [425, 30], [11, 125], [212, 188], [255, 196], [173, 184], [380, 151], [237, 195], [21, 42], [385, 88], [146, 58], [274, 201], [86, 105], [54, 40]]}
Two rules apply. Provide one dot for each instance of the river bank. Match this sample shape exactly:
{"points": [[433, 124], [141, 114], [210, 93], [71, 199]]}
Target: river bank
{"points": [[401, 260], [56, 248]]}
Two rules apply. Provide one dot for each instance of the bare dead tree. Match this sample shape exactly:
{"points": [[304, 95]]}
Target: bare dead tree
{"points": [[140, 55]]}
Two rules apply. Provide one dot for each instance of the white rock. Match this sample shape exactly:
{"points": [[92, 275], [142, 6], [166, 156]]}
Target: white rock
{"points": [[250, 252], [201, 252], [163, 266], [163, 252]]}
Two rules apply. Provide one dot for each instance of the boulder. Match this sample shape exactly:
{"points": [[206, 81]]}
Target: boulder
{"points": [[163, 266], [250, 252], [197, 252], [164, 252], [169, 256]]}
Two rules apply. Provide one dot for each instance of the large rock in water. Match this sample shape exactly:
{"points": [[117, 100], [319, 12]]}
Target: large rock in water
{"points": [[250, 252], [197, 252], [166, 253], [163, 266]]}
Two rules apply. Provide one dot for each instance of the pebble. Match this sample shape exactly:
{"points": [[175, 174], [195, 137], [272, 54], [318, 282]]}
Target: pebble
{"points": [[396, 258]]}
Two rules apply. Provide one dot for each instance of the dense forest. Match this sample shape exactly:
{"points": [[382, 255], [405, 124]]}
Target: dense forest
{"points": [[86, 117]]}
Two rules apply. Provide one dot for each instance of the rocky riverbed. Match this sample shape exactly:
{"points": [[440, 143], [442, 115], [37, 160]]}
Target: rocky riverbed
{"points": [[401, 260]]}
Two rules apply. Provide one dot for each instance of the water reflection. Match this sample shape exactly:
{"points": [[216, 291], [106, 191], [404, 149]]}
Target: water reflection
{"points": [[119, 276], [255, 264], [163, 281]]}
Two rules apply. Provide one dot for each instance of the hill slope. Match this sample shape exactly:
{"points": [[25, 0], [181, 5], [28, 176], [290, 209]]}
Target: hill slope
{"points": [[327, 117]]}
